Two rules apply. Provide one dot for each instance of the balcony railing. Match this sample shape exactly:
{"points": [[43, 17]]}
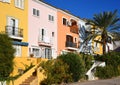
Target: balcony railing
{"points": [[71, 44], [45, 40], [14, 31]]}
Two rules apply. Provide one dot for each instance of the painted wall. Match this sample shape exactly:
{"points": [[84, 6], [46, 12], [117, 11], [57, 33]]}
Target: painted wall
{"points": [[9, 10], [38, 22], [64, 30], [97, 47]]}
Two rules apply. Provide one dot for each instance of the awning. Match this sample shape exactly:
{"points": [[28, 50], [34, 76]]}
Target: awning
{"points": [[20, 43]]}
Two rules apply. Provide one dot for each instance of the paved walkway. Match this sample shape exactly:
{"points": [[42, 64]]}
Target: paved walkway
{"points": [[114, 81]]}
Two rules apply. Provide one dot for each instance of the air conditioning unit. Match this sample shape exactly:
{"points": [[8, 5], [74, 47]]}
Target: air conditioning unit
{"points": [[69, 23]]}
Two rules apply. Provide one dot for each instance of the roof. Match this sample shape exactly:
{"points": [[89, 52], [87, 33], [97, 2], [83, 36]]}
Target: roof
{"points": [[67, 11]]}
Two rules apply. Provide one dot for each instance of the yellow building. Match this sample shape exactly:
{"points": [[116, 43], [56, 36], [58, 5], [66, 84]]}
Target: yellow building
{"points": [[13, 21], [97, 47]]}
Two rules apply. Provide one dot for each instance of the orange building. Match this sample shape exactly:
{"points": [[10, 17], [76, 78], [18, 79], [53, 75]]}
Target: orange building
{"points": [[68, 37]]}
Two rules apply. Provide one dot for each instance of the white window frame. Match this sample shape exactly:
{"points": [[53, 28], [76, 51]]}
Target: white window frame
{"points": [[18, 51], [50, 17], [66, 21], [34, 53], [35, 12], [7, 1], [4, 83], [10, 26], [20, 3]]}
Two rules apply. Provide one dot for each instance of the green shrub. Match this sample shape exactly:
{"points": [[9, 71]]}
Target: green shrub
{"points": [[56, 72], [75, 63], [87, 60], [6, 57], [112, 61], [104, 72]]}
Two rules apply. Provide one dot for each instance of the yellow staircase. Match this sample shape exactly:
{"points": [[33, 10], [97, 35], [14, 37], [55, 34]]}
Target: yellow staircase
{"points": [[29, 80]]}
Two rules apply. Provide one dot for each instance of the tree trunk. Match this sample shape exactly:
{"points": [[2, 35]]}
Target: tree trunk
{"points": [[104, 47], [104, 38]]}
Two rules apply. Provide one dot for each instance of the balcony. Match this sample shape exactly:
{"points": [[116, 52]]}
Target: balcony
{"points": [[74, 29], [71, 46], [14, 32], [45, 41]]}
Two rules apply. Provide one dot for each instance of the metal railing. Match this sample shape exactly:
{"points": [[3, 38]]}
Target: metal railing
{"points": [[14, 31], [71, 44]]}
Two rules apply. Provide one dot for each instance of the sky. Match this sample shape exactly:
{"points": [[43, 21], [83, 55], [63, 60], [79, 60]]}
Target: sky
{"points": [[86, 8]]}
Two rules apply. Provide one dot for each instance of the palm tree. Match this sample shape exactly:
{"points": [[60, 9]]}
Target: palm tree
{"points": [[105, 24]]}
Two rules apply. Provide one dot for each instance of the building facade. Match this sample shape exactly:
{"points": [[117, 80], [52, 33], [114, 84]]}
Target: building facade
{"points": [[68, 37], [42, 33], [13, 18]]}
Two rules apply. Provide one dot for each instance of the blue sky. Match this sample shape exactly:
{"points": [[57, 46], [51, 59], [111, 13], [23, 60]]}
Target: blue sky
{"points": [[86, 8]]}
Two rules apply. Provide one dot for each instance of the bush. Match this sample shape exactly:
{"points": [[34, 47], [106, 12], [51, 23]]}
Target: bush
{"points": [[112, 61], [6, 57], [104, 72], [56, 72], [75, 63], [87, 61]]}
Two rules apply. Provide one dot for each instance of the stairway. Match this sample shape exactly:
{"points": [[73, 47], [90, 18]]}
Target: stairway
{"points": [[28, 80]]}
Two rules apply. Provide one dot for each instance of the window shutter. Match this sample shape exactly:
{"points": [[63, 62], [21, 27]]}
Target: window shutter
{"points": [[16, 23], [40, 34], [9, 24], [3, 0], [8, 1], [16, 3], [16, 26], [22, 4], [8, 21], [37, 12], [45, 32]]}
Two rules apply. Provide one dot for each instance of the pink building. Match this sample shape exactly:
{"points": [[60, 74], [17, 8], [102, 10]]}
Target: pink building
{"points": [[42, 29]]}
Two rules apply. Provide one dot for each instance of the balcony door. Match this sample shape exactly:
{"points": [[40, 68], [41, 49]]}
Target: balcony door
{"points": [[69, 38], [12, 26], [12, 22]]}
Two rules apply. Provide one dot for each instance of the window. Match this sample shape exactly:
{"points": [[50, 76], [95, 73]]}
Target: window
{"points": [[35, 12], [18, 50], [64, 21], [53, 34], [12, 26], [36, 52], [8, 1], [48, 53], [3, 83], [51, 18], [75, 39], [19, 4]]}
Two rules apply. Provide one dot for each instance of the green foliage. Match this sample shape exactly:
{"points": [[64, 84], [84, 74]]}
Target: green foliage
{"points": [[75, 63], [104, 72], [104, 24], [112, 60], [28, 67], [87, 61], [6, 56], [56, 72]]}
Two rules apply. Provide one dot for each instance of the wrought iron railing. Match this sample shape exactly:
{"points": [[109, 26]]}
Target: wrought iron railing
{"points": [[71, 44], [14, 31]]}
